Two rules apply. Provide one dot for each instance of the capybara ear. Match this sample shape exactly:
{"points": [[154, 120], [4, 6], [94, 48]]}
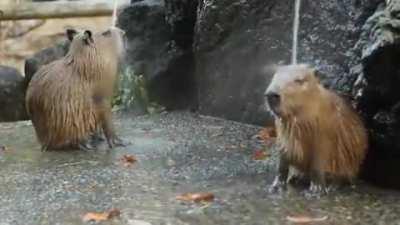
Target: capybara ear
{"points": [[71, 33], [317, 74], [87, 37]]}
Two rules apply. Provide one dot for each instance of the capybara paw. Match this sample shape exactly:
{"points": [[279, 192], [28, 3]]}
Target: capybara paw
{"points": [[86, 146], [44, 148], [299, 180], [318, 189], [117, 142], [277, 186], [97, 137]]}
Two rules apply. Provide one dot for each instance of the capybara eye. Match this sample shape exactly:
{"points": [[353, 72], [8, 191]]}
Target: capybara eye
{"points": [[299, 81], [106, 33]]}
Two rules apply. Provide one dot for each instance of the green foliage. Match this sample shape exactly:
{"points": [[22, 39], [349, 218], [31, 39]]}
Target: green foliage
{"points": [[132, 93]]}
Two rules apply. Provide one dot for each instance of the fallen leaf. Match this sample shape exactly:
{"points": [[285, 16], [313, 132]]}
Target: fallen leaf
{"points": [[196, 197], [217, 134], [138, 222], [305, 219], [128, 160], [4, 148], [98, 217], [260, 155], [230, 147], [267, 134]]}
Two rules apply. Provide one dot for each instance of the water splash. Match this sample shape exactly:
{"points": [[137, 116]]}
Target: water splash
{"points": [[296, 23], [114, 16]]}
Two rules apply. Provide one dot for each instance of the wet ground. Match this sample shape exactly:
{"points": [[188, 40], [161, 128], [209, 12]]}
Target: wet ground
{"points": [[177, 153]]}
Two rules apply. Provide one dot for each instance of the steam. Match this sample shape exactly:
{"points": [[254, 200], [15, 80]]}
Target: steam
{"points": [[114, 16], [296, 23]]}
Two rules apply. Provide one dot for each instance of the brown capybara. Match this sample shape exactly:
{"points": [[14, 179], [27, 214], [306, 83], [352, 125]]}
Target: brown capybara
{"points": [[320, 135], [69, 99]]}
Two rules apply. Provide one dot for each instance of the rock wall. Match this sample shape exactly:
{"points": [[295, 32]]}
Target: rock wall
{"points": [[12, 95], [159, 48], [376, 92]]}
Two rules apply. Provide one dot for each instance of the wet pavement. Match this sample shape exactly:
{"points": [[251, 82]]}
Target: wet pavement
{"points": [[177, 153]]}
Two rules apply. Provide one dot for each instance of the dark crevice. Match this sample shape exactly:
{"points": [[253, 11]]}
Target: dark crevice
{"points": [[380, 107]]}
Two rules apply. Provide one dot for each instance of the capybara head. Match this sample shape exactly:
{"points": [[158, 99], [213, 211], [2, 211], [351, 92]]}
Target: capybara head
{"points": [[291, 90], [113, 39], [109, 43]]}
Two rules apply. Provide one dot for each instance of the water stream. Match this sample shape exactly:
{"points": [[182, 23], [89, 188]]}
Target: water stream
{"points": [[114, 16], [296, 23]]}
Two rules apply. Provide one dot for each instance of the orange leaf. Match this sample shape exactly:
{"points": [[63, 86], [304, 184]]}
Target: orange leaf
{"points": [[4, 148], [267, 133], [128, 160], [97, 217], [196, 197], [260, 155], [305, 219]]}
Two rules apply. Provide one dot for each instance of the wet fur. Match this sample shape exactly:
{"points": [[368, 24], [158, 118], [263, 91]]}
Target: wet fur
{"points": [[69, 99], [320, 134]]}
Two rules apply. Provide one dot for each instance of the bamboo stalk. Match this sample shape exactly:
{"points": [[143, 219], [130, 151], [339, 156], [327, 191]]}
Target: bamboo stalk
{"points": [[46, 10]]}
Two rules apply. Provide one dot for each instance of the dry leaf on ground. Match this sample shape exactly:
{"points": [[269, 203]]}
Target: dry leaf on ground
{"points": [[305, 219], [98, 217], [128, 160], [260, 155], [196, 197], [4, 148], [267, 134]]}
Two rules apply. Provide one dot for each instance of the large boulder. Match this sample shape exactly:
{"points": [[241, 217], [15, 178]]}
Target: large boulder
{"points": [[159, 48], [43, 57], [376, 92], [12, 95], [235, 39]]}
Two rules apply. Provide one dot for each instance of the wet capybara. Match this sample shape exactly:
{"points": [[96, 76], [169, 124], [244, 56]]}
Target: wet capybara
{"points": [[320, 135], [69, 99]]}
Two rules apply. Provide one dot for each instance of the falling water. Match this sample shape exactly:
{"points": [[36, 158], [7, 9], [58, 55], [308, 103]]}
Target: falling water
{"points": [[114, 16], [295, 30]]}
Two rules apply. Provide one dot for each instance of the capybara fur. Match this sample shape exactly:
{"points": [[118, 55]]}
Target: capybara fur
{"points": [[69, 99], [319, 133]]}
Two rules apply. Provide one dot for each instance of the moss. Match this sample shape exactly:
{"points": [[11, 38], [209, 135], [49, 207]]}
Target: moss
{"points": [[132, 94]]}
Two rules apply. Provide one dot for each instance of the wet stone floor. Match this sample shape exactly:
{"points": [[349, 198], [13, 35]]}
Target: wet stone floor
{"points": [[176, 153]]}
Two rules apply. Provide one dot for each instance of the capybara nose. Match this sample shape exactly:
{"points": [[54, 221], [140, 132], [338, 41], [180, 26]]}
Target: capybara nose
{"points": [[273, 99]]}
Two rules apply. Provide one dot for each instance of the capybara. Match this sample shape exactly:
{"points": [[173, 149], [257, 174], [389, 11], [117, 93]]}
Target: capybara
{"points": [[69, 99], [320, 135]]}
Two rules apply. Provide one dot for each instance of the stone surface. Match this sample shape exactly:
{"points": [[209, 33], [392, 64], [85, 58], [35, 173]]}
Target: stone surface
{"points": [[376, 92], [177, 153], [44, 57], [158, 50], [235, 39], [12, 95]]}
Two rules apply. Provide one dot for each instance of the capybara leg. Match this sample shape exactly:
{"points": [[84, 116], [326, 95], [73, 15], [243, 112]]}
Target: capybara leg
{"points": [[86, 146], [108, 127], [98, 137], [280, 181], [299, 178], [318, 183], [44, 148]]}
